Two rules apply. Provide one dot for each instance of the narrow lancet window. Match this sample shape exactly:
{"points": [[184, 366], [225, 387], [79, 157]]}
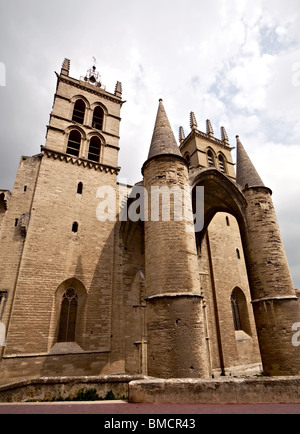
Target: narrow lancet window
{"points": [[80, 188], [222, 164], [74, 143], [68, 314], [236, 313], [210, 159], [79, 112], [94, 149], [98, 118]]}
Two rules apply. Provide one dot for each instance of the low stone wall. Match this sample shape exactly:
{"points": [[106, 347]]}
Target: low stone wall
{"points": [[140, 389], [279, 390], [47, 389], [23, 367]]}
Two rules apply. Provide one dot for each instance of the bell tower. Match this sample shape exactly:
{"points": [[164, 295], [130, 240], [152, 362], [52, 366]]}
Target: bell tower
{"points": [[85, 119], [66, 304], [202, 150]]}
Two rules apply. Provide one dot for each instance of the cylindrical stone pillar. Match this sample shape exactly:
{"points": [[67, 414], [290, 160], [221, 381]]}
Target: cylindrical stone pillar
{"points": [[174, 313], [275, 304]]}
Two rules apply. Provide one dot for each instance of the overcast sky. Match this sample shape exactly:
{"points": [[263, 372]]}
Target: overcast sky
{"points": [[235, 62]]}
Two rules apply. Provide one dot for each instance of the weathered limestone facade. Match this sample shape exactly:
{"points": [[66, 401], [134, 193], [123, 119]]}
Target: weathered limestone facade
{"points": [[84, 297]]}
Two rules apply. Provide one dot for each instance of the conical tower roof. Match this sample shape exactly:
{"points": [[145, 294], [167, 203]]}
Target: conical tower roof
{"points": [[163, 139], [246, 172]]}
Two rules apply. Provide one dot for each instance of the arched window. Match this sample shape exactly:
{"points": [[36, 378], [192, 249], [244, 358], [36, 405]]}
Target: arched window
{"points": [[74, 143], [222, 164], [3, 299], [240, 311], [236, 313], [98, 118], [80, 188], [210, 159], [94, 149], [187, 158], [79, 111], [75, 227], [68, 314]]}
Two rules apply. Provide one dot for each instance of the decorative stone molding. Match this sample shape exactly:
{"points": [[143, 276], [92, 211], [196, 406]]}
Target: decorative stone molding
{"points": [[224, 144], [79, 161]]}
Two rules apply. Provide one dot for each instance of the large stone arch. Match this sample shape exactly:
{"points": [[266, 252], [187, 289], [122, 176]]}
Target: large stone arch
{"points": [[221, 194], [275, 304]]}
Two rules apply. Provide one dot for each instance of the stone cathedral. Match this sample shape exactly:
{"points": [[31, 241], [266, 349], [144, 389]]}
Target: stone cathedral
{"points": [[83, 297]]}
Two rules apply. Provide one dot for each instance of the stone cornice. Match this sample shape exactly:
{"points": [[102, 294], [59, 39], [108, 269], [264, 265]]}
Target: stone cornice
{"points": [[79, 161], [208, 138], [76, 83], [174, 295], [283, 297]]}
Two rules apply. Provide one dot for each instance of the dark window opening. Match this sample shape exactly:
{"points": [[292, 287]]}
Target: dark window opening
{"points": [[74, 143], [16, 222], [75, 227], [210, 158], [94, 149], [79, 111], [68, 314], [222, 164], [187, 159], [227, 221], [25, 188], [80, 188], [3, 298], [240, 313], [238, 254], [236, 313], [98, 118]]}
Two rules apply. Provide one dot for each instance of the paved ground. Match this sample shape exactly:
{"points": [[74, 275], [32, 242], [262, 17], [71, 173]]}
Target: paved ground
{"points": [[123, 408]]}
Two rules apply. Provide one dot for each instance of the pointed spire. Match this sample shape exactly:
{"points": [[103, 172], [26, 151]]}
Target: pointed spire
{"points": [[247, 175], [209, 128], [193, 121], [181, 135], [224, 136], [163, 139], [65, 69], [118, 89]]}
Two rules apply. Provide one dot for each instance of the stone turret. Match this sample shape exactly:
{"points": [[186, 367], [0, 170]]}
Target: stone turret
{"points": [[246, 173], [274, 300], [65, 69], [209, 129], [174, 313]]}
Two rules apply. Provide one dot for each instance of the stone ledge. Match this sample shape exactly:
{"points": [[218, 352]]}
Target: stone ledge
{"points": [[279, 390], [47, 388]]}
